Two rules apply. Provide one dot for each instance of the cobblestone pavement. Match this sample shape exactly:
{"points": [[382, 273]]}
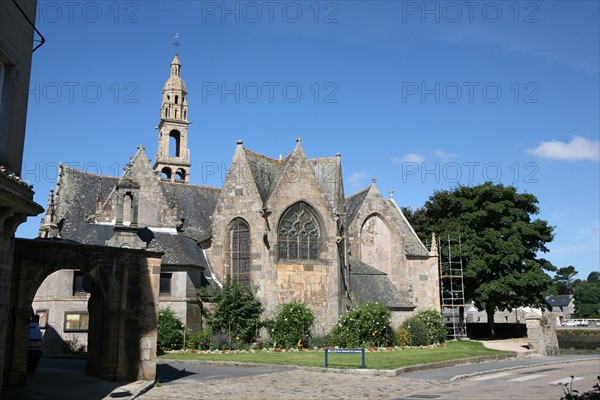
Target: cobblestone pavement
{"points": [[294, 384]]}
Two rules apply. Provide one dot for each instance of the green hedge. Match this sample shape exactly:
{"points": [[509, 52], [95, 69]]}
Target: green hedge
{"points": [[578, 338]]}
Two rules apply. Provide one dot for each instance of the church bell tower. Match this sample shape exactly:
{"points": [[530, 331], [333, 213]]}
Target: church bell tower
{"points": [[173, 157]]}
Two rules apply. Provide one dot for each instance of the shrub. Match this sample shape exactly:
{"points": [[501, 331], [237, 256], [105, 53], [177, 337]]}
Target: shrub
{"points": [[435, 325], [237, 312], [291, 326], [170, 331], [200, 340], [403, 337], [419, 333], [366, 325]]}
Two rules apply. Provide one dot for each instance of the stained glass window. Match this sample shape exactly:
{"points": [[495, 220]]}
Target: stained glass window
{"points": [[299, 234], [239, 251]]}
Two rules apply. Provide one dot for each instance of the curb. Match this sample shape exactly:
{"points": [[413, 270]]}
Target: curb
{"points": [[124, 392], [146, 386], [451, 363]]}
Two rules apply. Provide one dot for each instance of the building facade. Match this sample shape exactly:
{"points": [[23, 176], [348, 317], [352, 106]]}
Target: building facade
{"points": [[17, 33], [282, 226]]}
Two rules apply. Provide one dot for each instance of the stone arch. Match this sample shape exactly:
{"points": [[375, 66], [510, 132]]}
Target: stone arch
{"points": [[300, 233], [166, 173], [238, 242], [375, 240], [122, 345], [180, 175]]}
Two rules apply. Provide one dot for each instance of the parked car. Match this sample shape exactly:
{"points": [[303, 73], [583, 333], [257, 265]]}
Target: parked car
{"points": [[576, 322], [36, 344], [570, 322]]}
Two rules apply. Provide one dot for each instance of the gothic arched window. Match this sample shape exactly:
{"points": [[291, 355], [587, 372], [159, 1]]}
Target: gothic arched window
{"points": [[299, 234], [239, 251]]}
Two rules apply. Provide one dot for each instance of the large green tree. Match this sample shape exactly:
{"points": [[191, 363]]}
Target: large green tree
{"points": [[587, 299], [237, 312], [500, 242]]}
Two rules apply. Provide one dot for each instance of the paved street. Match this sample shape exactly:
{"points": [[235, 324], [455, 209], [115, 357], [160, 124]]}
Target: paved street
{"points": [[536, 382], [533, 383], [65, 379], [294, 384]]}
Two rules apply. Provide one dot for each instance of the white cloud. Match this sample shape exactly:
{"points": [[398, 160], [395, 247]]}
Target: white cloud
{"points": [[577, 149], [408, 157], [355, 180], [444, 155]]}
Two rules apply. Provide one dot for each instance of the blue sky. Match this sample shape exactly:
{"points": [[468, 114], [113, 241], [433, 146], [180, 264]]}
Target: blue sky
{"points": [[420, 95]]}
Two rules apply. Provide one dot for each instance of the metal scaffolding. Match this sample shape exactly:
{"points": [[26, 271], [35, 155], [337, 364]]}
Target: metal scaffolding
{"points": [[452, 289]]}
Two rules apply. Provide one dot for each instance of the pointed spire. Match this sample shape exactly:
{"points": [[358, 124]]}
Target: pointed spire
{"points": [[175, 66], [434, 244], [49, 227]]}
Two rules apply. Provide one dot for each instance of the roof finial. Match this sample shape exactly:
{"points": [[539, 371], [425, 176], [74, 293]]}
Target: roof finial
{"points": [[374, 180], [298, 139], [176, 42], [391, 193], [434, 245]]}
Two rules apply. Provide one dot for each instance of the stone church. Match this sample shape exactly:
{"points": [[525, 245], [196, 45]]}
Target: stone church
{"points": [[285, 227]]}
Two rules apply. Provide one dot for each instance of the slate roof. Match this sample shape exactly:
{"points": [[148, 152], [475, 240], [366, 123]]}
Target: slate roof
{"points": [[265, 171], [77, 193], [196, 204], [77, 198], [329, 178], [353, 204], [370, 285], [559, 301]]}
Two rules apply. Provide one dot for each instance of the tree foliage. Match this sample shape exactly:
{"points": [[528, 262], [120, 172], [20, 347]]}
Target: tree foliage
{"points": [[237, 312], [587, 299], [500, 243], [563, 279], [594, 276]]}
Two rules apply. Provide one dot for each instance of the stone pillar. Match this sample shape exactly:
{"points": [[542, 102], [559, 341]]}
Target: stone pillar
{"points": [[16, 204], [123, 318], [542, 338]]}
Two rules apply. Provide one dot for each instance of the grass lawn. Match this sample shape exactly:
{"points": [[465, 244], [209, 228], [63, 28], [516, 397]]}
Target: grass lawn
{"points": [[374, 360]]}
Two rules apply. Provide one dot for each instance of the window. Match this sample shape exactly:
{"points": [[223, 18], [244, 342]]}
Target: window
{"points": [[78, 289], [299, 234], [239, 251], [76, 321], [165, 284]]}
